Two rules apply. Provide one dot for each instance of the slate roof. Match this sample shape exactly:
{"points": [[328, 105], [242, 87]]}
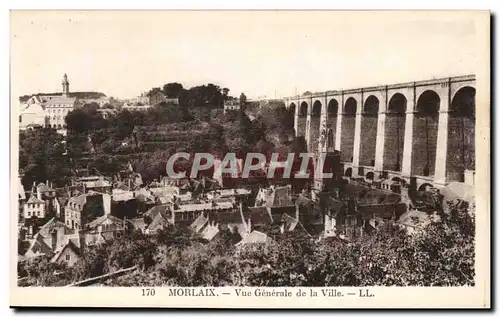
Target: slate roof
{"points": [[158, 222], [80, 200], [205, 206], [292, 224], [38, 247], [69, 245], [44, 188], [255, 237], [138, 223], [103, 218], [108, 236], [414, 219], [60, 100], [259, 216], [121, 186], [281, 197], [289, 222], [209, 232], [52, 224], [34, 199], [62, 200], [164, 210], [199, 223], [241, 228]]}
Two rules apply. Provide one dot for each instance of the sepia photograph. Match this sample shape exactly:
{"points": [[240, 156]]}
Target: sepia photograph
{"points": [[250, 158]]}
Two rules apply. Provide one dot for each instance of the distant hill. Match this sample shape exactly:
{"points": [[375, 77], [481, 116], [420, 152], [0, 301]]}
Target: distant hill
{"points": [[78, 95]]}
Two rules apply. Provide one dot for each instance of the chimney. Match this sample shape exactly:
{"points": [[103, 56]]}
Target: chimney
{"points": [[38, 193], [58, 207], [81, 239], [249, 225], [60, 237], [53, 235], [106, 202]]}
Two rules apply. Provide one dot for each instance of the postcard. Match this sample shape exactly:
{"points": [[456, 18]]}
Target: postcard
{"points": [[250, 159]]}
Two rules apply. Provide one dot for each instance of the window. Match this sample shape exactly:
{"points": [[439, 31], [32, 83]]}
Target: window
{"points": [[37, 213], [29, 213], [68, 257]]}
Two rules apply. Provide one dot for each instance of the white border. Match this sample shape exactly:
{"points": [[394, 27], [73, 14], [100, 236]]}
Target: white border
{"points": [[145, 4]]}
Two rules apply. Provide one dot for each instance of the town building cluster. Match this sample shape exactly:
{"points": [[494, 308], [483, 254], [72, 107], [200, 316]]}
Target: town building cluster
{"points": [[62, 223], [49, 110]]}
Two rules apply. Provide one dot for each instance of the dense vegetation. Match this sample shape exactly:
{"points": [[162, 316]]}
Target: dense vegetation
{"points": [[441, 255], [147, 139]]}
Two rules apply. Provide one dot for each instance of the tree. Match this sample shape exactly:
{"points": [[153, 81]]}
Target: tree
{"points": [[78, 121], [42, 156], [173, 90], [92, 263], [243, 99], [225, 92], [124, 125], [298, 145], [134, 249], [40, 271]]}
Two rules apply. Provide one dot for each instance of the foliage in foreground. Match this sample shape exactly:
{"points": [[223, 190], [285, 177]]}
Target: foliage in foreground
{"points": [[441, 255]]}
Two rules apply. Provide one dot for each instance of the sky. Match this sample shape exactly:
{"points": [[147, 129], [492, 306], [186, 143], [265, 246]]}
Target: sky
{"points": [[260, 53]]}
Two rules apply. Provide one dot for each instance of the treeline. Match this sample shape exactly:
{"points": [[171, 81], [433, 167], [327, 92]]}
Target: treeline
{"points": [[208, 95], [441, 255], [78, 95]]}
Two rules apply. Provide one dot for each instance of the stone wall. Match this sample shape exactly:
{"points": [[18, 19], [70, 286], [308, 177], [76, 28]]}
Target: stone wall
{"points": [[301, 127], [368, 140], [347, 137], [461, 147], [315, 123], [424, 144], [394, 141], [331, 123]]}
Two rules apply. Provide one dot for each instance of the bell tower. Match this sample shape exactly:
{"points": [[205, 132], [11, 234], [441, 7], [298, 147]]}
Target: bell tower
{"points": [[65, 86]]}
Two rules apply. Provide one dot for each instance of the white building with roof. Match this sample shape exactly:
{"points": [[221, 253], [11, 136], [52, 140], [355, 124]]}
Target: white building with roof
{"points": [[47, 110], [32, 113], [34, 207]]}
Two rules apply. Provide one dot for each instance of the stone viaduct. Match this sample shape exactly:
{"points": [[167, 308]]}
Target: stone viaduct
{"points": [[420, 132]]}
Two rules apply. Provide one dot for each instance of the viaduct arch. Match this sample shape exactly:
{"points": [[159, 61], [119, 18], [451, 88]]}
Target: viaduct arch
{"points": [[418, 132]]}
